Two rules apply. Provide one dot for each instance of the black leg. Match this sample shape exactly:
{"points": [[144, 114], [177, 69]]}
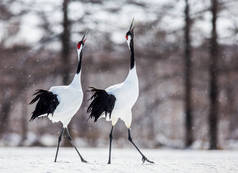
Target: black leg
{"points": [[110, 146], [59, 140], [143, 156], [72, 143]]}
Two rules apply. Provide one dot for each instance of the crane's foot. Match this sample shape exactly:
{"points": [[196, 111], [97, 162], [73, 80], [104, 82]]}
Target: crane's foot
{"points": [[109, 162], [84, 161], [145, 159]]}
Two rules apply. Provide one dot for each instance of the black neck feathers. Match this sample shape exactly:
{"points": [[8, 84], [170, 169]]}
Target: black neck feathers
{"points": [[80, 62], [132, 54]]}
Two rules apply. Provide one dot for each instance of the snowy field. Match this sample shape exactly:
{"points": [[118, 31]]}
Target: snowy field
{"points": [[34, 160]]}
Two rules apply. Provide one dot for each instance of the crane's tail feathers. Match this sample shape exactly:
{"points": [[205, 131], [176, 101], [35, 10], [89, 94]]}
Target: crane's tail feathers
{"points": [[37, 95], [47, 103], [101, 102]]}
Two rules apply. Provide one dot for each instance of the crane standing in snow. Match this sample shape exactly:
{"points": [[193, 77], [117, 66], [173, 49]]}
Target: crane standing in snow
{"points": [[62, 102], [116, 102]]}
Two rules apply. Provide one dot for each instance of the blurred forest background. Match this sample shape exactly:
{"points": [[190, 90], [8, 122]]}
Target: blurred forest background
{"points": [[186, 53]]}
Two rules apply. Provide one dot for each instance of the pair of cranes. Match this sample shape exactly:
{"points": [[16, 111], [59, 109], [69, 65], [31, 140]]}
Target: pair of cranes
{"points": [[113, 103]]}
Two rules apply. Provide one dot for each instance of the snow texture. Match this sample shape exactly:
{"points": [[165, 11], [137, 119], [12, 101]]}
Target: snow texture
{"points": [[123, 161]]}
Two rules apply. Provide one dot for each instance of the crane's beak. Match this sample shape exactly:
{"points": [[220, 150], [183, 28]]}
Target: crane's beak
{"points": [[131, 26], [84, 37]]}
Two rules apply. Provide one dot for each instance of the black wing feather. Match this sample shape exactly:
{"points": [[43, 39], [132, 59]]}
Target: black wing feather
{"points": [[47, 103], [102, 102], [37, 95]]}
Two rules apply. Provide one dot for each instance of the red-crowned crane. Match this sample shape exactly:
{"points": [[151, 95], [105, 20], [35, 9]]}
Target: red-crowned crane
{"points": [[60, 103], [116, 102]]}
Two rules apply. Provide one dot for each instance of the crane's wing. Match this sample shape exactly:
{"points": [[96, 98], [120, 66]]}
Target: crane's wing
{"points": [[102, 102], [47, 103], [69, 98]]}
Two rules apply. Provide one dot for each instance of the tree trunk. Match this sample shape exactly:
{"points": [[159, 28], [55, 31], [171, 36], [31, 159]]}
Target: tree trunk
{"points": [[65, 40], [213, 72], [231, 106], [4, 116], [188, 78], [24, 121]]}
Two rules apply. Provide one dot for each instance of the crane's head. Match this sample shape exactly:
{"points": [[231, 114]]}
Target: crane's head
{"points": [[80, 44], [130, 33]]}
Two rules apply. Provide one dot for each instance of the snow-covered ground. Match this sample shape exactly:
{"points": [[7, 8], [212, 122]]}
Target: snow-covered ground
{"points": [[40, 160]]}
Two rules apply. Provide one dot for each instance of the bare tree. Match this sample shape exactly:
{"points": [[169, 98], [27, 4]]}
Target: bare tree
{"points": [[24, 121], [188, 77], [213, 73], [65, 41], [5, 111], [11, 28]]}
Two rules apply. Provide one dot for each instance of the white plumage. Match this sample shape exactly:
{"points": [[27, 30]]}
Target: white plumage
{"points": [[126, 94], [70, 99]]}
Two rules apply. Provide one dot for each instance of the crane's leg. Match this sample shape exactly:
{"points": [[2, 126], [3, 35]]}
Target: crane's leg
{"points": [[110, 146], [143, 156], [72, 143], [59, 140]]}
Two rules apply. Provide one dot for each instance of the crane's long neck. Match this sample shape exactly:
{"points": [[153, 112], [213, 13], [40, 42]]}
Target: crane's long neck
{"points": [[80, 55], [77, 77], [132, 75], [132, 58]]}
